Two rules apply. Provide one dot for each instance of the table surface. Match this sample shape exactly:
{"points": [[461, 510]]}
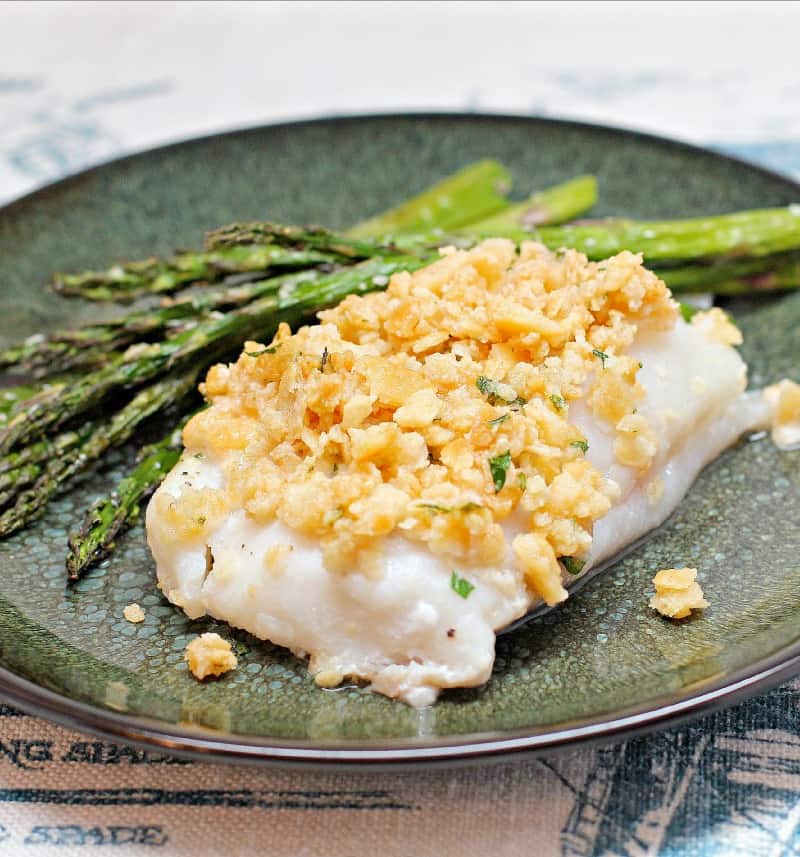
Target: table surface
{"points": [[82, 83]]}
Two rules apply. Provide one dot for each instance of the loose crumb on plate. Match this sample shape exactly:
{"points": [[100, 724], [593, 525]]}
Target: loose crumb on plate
{"points": [[784, 400], [677, 593], [133, 613], [328, 678], [208, 655]]}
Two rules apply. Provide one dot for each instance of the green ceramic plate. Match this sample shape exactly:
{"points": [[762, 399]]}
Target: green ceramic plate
{"points": [[599, 665]]}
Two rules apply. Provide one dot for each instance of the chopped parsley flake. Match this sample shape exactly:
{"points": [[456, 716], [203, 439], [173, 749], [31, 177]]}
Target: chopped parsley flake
{"points": [[460, 585], [601, 354], [522, 479], [581, 444], [572, 564], [558, 401], [499, 468], [499, 420], [240, 648], [270, 349], [491, 389], [687, 311], [323, 360], [440, 507], [435, 507]]}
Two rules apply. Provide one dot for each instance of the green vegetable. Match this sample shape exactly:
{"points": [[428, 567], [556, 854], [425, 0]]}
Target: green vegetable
{"points": [[111, 515], [270, 349], [522, 479], [131, 280], [760, 232], [31, 503], [460, 585], [558, 402], [499, 420], [554, 205], [499, 468], [601, 355], [473, 193], [581, 445], [572, 564], [491, 389]]}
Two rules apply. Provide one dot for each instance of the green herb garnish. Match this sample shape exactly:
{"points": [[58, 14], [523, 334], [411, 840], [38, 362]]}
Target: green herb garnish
{"points": [[491, 389], [469, 506], [499, 420], [522, 479], [270, 349], [323, 360], [435, 507], [601, 354], [687, 311], [572, 564], [558, 401], [499, 468], [460, 585], [581, 444]]}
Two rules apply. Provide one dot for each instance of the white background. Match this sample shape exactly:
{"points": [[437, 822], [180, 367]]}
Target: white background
{"points": [[81, 82]]}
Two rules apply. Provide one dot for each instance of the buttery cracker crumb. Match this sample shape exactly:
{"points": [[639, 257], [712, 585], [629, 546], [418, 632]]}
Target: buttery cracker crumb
{"points": [[717, 326], [133, 613], [208, 655], [677, 593], [328, 678], [784, 401], [435, 397]]}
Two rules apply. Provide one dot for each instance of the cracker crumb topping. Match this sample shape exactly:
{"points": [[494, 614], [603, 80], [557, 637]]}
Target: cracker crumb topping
{"points": [[208, 655], [677, 593], [717, 326], [440, 409], [133, 613], [784, 401]]}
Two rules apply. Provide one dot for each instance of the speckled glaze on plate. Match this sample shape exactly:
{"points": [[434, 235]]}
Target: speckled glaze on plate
{"points": [[598, 666]]}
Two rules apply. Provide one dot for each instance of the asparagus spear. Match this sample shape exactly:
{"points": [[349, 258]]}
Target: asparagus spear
{"points": [[131, 280], [255, 233], [552, 206], [203, 343], [87, 346], [31, 503], [475, 192], [13, 481], [11, 396], [754, 233], [736, 277], [466, 196], [116, 512], [45, 450]]}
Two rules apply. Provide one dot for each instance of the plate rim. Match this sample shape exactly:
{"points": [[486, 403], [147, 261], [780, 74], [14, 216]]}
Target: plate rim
{"points": [[208, 745]]}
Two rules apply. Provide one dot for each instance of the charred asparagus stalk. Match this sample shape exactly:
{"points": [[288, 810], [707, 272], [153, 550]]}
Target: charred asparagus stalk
{"points": [[65, 350], [113, 514], [131, 280], [31, 503]]}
